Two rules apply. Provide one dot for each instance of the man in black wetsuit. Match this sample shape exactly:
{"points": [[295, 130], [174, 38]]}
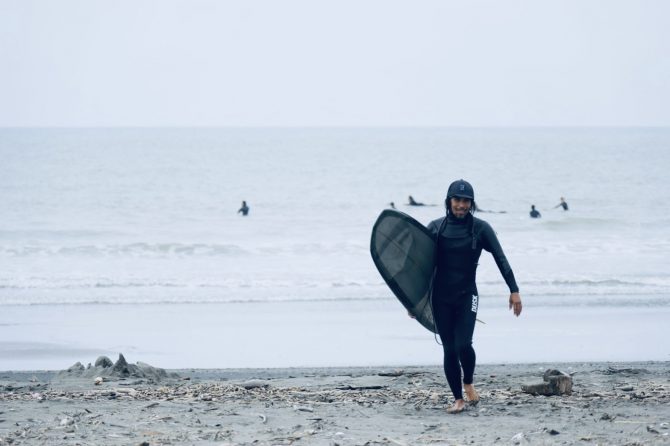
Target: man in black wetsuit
{"points": [[460, 240]]}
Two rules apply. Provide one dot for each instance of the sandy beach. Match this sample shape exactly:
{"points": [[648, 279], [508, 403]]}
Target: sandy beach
{"points": [[336, 389], [611, 403]]}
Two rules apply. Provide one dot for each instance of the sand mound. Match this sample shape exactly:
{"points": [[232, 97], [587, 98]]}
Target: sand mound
{"points": [[106, 369]]}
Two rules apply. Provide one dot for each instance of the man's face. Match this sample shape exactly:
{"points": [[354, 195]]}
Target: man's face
{"points": [[460, 206]]}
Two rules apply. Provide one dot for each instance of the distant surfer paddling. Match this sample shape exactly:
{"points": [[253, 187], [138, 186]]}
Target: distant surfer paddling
{"points": [[461, 237], [478, 209], [412, 202]]}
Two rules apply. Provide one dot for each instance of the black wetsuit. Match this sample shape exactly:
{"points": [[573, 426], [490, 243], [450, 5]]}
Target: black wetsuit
{"points": [[455, 298]]}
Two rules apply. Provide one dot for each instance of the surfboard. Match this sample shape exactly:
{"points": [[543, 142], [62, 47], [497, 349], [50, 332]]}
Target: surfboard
{"points": [[403, 251]]}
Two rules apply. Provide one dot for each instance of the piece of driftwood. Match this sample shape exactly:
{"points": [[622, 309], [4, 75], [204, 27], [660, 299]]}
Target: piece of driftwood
{"points": [[555, 383]]}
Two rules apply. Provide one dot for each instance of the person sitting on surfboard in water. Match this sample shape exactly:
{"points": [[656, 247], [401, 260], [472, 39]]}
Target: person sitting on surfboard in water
{"points": [[460, 239], [413, 202]]}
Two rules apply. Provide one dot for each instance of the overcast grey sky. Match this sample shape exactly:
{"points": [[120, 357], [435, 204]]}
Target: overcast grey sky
{"points": [[342, 62]]}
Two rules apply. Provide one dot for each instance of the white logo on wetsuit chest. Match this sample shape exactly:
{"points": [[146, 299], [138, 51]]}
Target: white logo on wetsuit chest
{"points": [[474, 303]]}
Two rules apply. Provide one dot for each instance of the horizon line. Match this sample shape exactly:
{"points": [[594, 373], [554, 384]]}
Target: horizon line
{"points": [[325, 127]]}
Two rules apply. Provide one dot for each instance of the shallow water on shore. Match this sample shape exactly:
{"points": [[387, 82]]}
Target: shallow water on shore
{"points": [[317, 334], [128, 240]]}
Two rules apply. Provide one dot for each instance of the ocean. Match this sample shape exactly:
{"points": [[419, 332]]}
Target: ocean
{"points": [[149, 216]]}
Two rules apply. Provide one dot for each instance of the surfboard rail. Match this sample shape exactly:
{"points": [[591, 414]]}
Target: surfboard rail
{"points": [[403, 250]]}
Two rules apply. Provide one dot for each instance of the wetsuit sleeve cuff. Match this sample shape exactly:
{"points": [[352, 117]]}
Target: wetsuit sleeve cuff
{"points": [[511, 282]]}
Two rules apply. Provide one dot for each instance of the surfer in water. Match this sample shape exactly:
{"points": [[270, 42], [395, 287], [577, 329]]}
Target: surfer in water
{"points": [[562, 204], [461, 237], [534, 213], [244, 210], [478, 209], [413, 202]]}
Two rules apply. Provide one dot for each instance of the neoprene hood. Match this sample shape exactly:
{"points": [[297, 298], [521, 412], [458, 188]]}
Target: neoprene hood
{"points": [[462, 189]]}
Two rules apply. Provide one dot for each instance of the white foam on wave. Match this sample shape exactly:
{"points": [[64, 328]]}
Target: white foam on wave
{"points": [[84, 225], [138, 249]]}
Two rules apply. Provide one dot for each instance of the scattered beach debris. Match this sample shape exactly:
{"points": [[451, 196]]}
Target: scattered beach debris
{"points": [[350, 387], [104, 369], [283, 409], [394, 373], [624, 371], [254, 384], [397, 373], [555, 383], [652, 430], [519, 438]]}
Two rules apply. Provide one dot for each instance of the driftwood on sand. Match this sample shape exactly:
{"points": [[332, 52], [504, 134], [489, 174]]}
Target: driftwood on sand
{"points": [[555, 383]]}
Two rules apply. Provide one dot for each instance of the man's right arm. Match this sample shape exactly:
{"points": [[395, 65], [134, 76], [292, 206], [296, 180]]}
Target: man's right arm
{"points": [[434, 226]]}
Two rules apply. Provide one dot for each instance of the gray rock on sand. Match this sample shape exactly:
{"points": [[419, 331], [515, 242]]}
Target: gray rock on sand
{"points": [[555, 383], [105, 368]]}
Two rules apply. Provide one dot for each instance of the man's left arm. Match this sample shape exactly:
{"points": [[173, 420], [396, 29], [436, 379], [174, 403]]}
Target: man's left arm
{"points": [[491, 244]]}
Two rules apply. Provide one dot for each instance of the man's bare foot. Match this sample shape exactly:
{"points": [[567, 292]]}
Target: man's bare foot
{"points": [[457, 407], [471, 393]]}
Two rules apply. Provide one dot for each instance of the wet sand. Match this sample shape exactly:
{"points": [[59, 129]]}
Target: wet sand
{"points": [[611, 403], [320, 334]]}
